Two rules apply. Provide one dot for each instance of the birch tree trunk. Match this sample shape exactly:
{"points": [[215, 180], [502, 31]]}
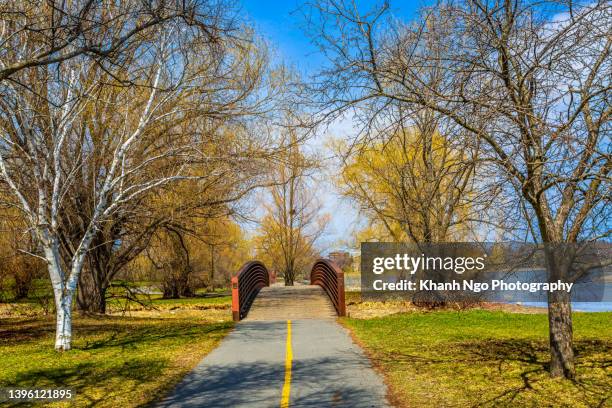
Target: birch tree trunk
{"points": [[63, 331], [62, 292]]}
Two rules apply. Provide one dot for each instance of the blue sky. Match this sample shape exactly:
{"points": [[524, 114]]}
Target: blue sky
{"points": [[281, 24]]}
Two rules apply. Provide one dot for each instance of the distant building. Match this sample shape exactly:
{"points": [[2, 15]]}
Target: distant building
{"points": [[341, 258]]}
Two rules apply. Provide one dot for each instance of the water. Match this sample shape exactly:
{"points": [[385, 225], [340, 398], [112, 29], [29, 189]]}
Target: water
{"points": [[577, 306]]}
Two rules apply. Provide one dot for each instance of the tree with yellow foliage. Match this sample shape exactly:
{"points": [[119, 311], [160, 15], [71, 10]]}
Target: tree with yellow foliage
{"points": [[292, 223], [413, 184], [202, 253], [16, 263]]}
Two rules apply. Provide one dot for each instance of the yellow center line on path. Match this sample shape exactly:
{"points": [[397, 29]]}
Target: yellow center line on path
{"points": [[288, 360]]}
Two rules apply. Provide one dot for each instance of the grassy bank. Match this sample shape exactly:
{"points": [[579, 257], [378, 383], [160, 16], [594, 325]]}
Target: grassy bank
{"points": [[118, 360], [485, 358]]}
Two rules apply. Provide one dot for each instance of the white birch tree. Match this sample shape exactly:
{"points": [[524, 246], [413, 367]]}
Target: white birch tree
{"points": [[42, 148], [36, 166]]}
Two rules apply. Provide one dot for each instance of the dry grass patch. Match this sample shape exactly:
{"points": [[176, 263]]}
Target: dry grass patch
{"points": [[117, 360], [485, 358]]}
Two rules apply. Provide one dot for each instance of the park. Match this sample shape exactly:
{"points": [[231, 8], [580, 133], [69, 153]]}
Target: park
{"points": [[205, 203]]}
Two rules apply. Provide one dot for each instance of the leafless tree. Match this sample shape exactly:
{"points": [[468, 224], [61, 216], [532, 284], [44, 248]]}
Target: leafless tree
{"points": [[530, 81], [36, 34]]}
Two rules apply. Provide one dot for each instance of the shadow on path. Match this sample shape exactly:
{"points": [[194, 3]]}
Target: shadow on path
{"points": [[248, 369]]}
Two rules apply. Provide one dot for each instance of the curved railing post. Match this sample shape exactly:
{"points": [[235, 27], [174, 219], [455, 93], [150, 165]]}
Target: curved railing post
{"points": [[235, 299], [330, 277], [246, 285], [341, 299]]}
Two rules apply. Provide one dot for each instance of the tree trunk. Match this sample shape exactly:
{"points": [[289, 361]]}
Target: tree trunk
{"points": [[560, 314], [63, 292], [23, 282], [560, 333], [187, 288], [91, 295], [25, 270], [177, 281], [289, 278], [212, 267], [63, 333]]}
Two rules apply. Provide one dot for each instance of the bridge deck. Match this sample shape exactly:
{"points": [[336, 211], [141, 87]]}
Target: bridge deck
{"points": [[279, 302]]}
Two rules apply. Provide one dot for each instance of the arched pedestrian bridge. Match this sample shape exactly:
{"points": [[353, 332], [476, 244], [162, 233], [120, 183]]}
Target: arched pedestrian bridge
{"points": [[286, 350], [255, 297]]}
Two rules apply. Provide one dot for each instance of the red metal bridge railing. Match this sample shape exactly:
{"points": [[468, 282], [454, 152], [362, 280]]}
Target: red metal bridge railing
{"points": [[246, 285], [326, 274]]}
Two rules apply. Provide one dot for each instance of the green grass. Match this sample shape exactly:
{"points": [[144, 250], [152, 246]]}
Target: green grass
{"points": [[33, 306], [211, 300], [40, 288], [484, 358], [116, 361], [201, 302]]}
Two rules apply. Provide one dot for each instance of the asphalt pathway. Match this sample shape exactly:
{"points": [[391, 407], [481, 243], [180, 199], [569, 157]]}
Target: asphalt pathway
{"points": [[283, 362]]}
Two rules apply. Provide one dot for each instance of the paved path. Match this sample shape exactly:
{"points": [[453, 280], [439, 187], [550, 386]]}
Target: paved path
{"points": [[249, 368]]}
